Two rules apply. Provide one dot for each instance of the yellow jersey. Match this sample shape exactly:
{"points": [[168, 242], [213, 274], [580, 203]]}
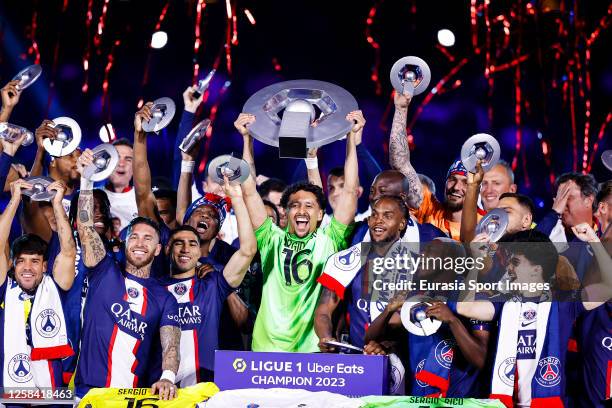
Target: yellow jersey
{"points": [[142, 397]]}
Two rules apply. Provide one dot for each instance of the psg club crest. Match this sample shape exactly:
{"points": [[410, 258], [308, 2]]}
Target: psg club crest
{"points": [[47, 323], [529, 314], [133, 292], [506, 371], [444, 353], [419, 368], [180, 289], [346, 259], [19, 368], [548, 373]]}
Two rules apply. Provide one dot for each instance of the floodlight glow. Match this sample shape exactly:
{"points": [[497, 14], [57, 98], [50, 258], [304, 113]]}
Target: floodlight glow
{"points": [[446, 37], [159, 39]]}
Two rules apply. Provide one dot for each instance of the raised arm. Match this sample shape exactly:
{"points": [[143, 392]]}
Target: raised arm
{"points": [[145, 199], [237, 266], [388, 318], [185, 125], [399, 151], [44, 131], [63, 268], [346, 208], [323, 324], [6, 220], [312, 167], [92, 247], [596, 294], [6, 159], [473, 345], [252, 199], [469, 215], [183, 195], [10, 98]]}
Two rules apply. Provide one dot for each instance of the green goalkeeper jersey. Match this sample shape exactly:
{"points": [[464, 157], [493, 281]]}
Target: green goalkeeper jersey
{"points": [[291, 266]]}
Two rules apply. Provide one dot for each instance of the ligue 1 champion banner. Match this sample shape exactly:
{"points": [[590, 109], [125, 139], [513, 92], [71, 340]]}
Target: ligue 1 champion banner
{"points": [[351, 375]]}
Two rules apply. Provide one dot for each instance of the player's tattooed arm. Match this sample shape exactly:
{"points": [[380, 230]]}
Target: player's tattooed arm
{"points": [[170, 341], [91, 243], [399, 151], [324, 327]]}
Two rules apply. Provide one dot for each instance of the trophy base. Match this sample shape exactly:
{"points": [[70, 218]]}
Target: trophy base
{"points": [[292, 147]]}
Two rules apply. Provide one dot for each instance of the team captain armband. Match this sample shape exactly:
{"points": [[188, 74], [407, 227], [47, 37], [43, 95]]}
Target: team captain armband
{"points": [[135, 397]]}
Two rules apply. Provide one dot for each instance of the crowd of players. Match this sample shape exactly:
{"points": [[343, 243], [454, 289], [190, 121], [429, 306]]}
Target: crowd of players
{"points": [[136, 282]]}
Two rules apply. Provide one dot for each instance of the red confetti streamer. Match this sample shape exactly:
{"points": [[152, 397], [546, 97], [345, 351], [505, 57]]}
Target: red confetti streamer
{"points": [[234, 31], [474, 26], [433, 92], [508, 65], [375, 46], [250, 16], [228, 8], [570, 75], [602, 132], [197, 42], [87, 55], [517, 116], [101, 24], [33, 49], [276, 64]]}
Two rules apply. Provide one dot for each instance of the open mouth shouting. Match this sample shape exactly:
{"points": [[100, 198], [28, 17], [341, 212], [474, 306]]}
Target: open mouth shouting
{"points": [[202, 227], [302, 223]]}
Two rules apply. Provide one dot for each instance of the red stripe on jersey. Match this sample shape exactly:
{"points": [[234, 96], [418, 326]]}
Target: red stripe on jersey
{"points": [[144, 302], [609, 381], [197, 354], [133, 369], [109, 363], [191, 295]]}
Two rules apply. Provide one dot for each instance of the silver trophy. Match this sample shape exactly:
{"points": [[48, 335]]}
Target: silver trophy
{"points": [[202, 85], [236, 170], [10, 133], [27, 76], [483, 147], [105, 160], [494, 223], [195, 135], [301, 114], [414, 318], [67, 140], [606, 158], [410, 75], [163, 110], [39, 191]]}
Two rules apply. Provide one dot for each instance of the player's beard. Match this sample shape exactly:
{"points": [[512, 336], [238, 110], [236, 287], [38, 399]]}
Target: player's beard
{"points": [[140, 263]]}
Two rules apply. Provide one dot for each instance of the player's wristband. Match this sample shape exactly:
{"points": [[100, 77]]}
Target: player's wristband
{"points": [[86, 184], [168, 375], [187, 166], [311, 163]]}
